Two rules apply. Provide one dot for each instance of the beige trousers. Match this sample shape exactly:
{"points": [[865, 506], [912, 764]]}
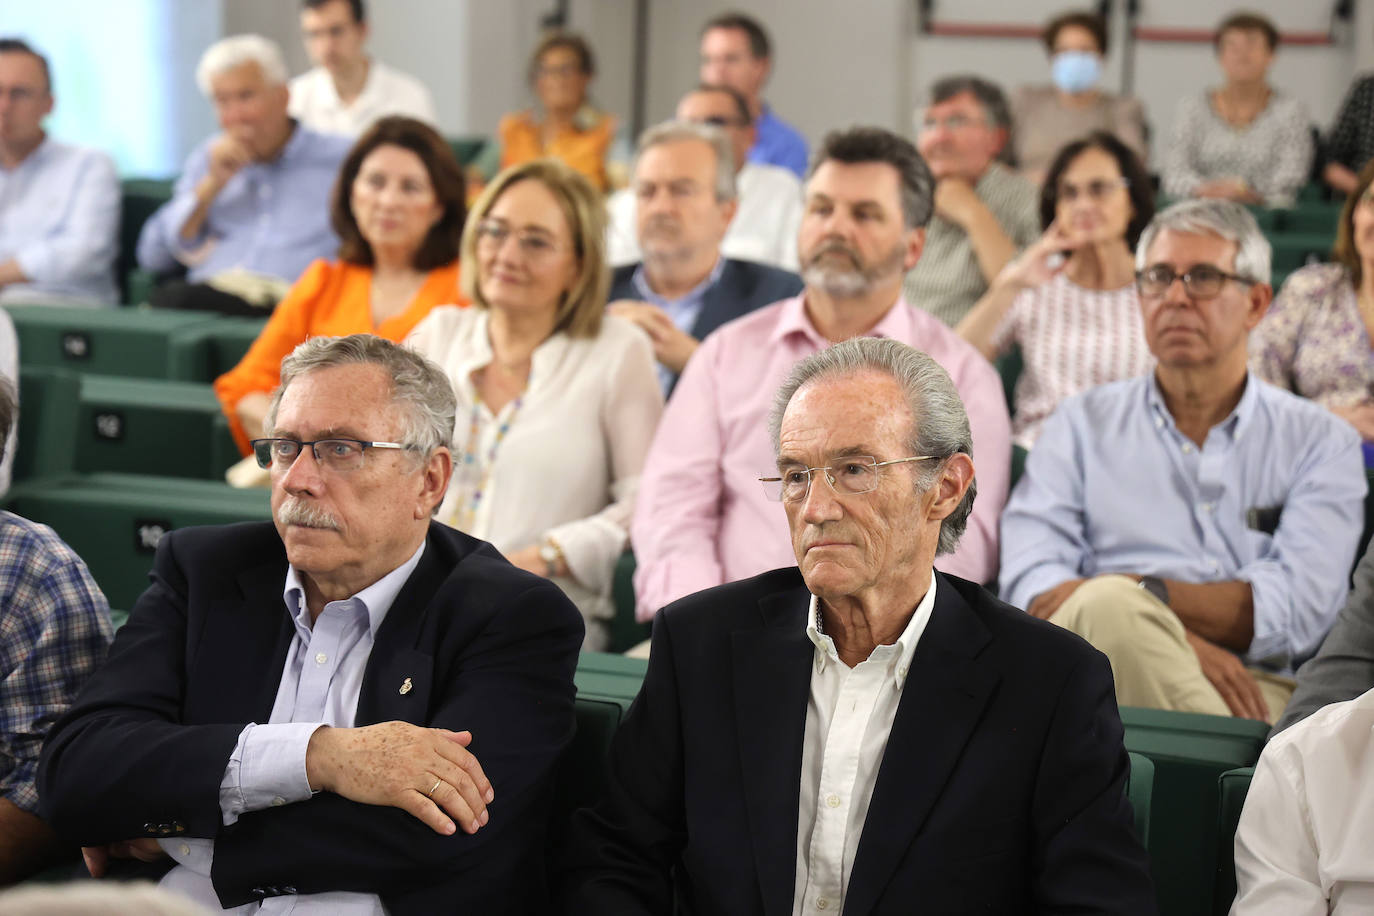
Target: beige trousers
{"points": [[1152, 662]]}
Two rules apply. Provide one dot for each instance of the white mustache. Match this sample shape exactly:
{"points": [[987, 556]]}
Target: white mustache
{"points": [[296, 511]]}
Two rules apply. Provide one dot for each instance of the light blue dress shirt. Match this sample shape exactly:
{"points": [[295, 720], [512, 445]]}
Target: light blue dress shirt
{"points": [[59, 219], [778, 143], [320, 685], [1112, 486], [683, 311], [271, 218]]}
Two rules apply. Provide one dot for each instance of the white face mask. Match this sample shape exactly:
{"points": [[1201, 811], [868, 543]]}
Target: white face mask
{"points": [[1075, 71]]}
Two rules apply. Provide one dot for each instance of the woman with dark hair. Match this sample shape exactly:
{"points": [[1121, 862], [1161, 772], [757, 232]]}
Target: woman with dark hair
{"points": [[398, 206], [1245, 141], [1069, 301], [563, 124], [1316, 338], [1074, 105]]}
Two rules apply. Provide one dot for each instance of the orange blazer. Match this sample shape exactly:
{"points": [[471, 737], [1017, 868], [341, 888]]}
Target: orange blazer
{"points": [[582, 149], [332, 298]]}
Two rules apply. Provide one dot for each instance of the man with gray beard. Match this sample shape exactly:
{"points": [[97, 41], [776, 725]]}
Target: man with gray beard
{"points": [[701, 519], [356, 709]]}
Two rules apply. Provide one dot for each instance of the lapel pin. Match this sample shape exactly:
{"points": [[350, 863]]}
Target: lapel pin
{"points": [[406, 687]]}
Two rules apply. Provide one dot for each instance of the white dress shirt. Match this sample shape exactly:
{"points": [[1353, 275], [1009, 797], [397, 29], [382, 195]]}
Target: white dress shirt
{"points": [[320, 685], [316, 102], [1305, 843], [567, 466], [764, 228], [848, 719]]}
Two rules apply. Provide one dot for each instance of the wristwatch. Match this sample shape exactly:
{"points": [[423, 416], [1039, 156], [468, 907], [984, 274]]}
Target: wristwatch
{"points": [[1155, 586], [550, 553]]}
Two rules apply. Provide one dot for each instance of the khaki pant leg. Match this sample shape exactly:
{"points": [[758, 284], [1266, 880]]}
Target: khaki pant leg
{"points": [[1277, 690], [1152, 663]]}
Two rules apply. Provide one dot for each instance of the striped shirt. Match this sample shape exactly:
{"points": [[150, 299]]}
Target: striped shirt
{"points": [[947, 281], [56, 628], [1071, 339]]}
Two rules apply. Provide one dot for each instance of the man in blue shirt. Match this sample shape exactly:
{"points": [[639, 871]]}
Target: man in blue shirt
{"points": [[1196, 524], [59, 204], [735, 52], [251, 209]]}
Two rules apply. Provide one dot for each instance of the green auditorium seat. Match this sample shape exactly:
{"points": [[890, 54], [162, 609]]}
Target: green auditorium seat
{"points": [[47, 422], [1312, 218], [626, 632], [580, 777], [1189, 751], [130, 342], [114, 521], [611, 677], [1140, 792], [204, 352], [1231, 787], [1293, 250], [467, 148], [140, 198]]}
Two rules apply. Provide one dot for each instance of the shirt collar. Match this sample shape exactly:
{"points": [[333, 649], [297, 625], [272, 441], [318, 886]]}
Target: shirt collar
{"points": [[376, 599], [897, 655], [1235, 422], [40, 152], [640, 279], [793, 319]]}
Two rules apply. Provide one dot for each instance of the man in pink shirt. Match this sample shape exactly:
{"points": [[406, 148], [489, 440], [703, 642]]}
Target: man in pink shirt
{"points": [[702, 518]]}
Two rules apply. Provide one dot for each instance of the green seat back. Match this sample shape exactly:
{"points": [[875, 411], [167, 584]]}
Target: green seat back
{"points": [[204, 352], [1232, 787], [1140, 791], [626, 632], [140, 198], [1298, 249], [47, 422], [1189, 751], [130, 342], [114, 521], [467, 148], [1009, 366]]}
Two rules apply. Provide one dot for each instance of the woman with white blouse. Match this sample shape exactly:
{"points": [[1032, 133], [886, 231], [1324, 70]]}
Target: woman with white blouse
{"points": [[557, 401], [1245, 141], [1069, 301]]}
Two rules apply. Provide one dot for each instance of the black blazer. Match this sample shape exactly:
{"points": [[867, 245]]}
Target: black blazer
{"points": [[1002, 789], [484, 646], [743, 286]]}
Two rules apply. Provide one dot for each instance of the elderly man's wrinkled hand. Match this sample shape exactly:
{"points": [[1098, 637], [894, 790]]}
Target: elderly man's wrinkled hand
{"points": [[427, 772]]}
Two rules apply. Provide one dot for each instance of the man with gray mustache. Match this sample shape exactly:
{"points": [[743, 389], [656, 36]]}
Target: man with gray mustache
{"points": [[353, 709], [700, 519]]}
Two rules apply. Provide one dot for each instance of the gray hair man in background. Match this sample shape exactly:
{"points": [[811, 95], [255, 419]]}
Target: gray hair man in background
{"points": [[1196, 524], [283, 692]]}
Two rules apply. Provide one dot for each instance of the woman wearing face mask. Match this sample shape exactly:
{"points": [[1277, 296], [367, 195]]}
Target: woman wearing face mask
{"points": [[1245, 141], [1047, 116], [1069, 301]]}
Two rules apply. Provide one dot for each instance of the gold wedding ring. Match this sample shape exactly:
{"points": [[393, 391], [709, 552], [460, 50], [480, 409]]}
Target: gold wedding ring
{"points": [[437, 784]]}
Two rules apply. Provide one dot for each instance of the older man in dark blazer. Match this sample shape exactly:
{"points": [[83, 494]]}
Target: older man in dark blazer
{"points": [[861, 734], [684, 288], [359, 710]]}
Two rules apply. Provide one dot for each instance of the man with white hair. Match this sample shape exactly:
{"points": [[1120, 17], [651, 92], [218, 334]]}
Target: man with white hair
{"points": [[59, 204], [1196, 524], [251, 209], [299, 711], [687, 285]]}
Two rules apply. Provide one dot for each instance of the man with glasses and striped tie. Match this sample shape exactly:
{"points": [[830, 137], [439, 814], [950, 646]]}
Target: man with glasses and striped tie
{"points": [[354, 711]]}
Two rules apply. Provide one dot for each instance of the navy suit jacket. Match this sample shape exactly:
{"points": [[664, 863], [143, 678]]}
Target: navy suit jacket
{"points": [[742, 287], [485, 647], [1001, 790]]}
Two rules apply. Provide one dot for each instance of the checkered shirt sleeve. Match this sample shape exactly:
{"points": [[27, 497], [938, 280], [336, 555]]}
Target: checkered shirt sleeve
{"points": [[54, 631]]}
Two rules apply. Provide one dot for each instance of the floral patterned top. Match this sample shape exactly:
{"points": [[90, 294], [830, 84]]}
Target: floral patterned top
{"points": [[1313, 340]]}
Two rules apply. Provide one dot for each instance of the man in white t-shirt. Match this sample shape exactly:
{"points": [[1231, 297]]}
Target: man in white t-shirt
{"points": [[347, 90], [764, 228]]}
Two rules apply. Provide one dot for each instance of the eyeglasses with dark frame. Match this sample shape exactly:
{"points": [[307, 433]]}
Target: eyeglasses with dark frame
{"points": [[1201, 281], [334, 454], [848, 475]]}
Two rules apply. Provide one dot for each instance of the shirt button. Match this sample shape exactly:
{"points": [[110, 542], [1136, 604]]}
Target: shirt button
{"points": [[832, 800], [1187, 448], [185, 849], [321, 658], [278, 801], [822, 903], [1208, 507], [901, 670]]}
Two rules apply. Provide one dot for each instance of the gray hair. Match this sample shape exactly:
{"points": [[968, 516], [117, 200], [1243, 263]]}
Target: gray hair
{"points": [[418, 386], [939, 423], [1224, 219], [712, 136], [990, 97], [237, 50]]}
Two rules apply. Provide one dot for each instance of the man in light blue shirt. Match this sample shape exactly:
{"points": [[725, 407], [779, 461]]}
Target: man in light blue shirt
{"points": [[251, 209], [59, 204], [736, 52], [1197, 525]]}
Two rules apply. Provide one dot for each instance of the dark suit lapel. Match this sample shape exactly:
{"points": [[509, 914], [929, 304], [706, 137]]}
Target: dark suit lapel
{"points": [[720, 302], [399, 677], [243, 648], [772, 678], [942, 701]]}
